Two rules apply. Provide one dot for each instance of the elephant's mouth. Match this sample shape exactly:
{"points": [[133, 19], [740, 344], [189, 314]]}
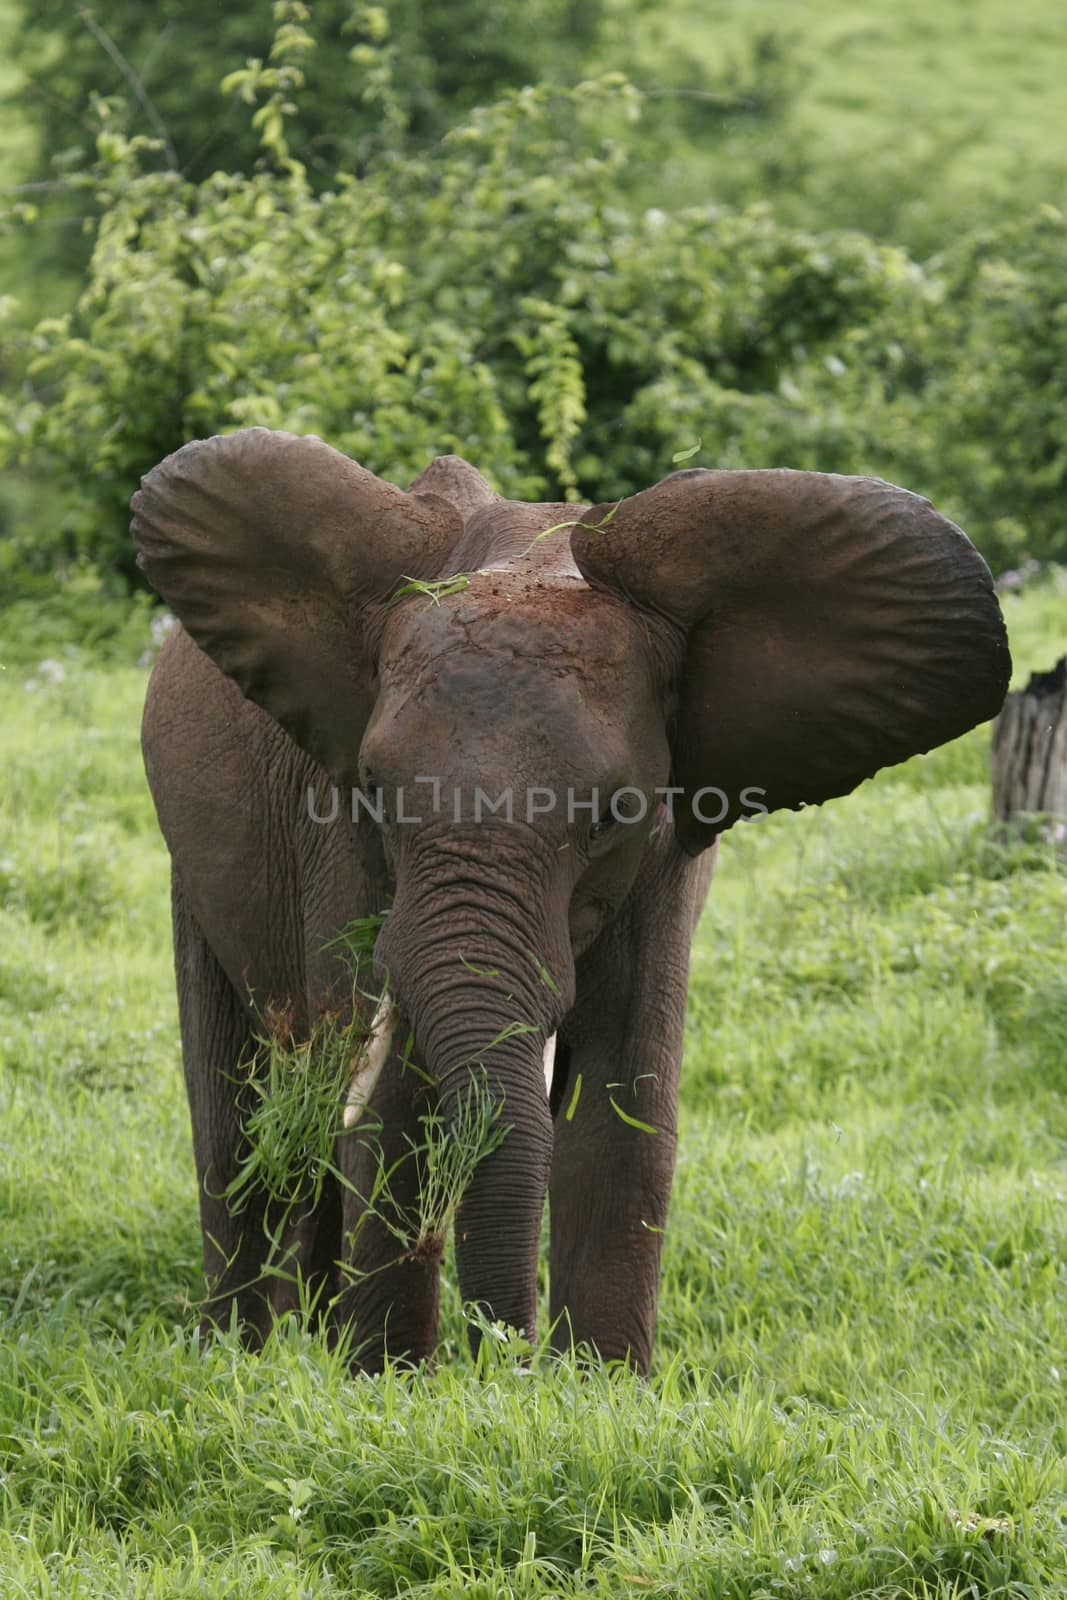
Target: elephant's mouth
{"points": [[370, 1059]]}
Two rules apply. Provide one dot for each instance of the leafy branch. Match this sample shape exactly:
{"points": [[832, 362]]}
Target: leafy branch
{"points": [[136, 83], [281, 80]]}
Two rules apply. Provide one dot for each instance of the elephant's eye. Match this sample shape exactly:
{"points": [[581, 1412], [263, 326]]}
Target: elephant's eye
{"points": [[603, 825], [375, 794], [625, 805]]}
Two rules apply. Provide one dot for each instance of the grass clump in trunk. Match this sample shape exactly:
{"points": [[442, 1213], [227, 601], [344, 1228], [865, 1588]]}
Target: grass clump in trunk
{"points": [[298, 1090]]}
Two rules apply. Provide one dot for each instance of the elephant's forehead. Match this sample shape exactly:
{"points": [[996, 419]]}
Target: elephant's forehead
{"points": [[512, 624], [510, 677]]}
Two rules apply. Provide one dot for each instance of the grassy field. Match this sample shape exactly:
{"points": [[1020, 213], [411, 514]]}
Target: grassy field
{"points": [[863, 1347], [913, 121]]}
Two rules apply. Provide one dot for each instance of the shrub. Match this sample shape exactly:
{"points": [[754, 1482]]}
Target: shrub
{"points": [[493, 296], [960, 388], [497, 295], [989, 417], [159, 69]]}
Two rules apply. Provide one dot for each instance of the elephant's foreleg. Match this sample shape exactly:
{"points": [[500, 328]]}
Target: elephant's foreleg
{"points": [[249, 1272], [609, 1194], [615, 1131], [614, 1136], [391, 1250]]}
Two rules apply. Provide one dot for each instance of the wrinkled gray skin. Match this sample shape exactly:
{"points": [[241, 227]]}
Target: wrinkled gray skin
{"points": [[785, 631]]}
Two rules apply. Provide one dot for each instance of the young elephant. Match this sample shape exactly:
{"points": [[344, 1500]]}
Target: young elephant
{"points": [[636, 678]]}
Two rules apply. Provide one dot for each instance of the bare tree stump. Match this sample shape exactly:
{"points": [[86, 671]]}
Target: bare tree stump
{"points": [[1029, 755]]}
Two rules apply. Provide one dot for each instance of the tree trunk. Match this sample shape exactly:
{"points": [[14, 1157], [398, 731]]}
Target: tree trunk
{"points": [[1029, 755]]}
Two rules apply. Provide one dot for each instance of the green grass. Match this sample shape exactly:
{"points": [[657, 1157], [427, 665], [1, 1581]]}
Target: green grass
{"points": [[859, 1387], [912, 121]]}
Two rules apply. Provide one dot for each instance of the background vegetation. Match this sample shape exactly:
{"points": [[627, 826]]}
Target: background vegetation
{"points": [[835, 243], [806, 235]]}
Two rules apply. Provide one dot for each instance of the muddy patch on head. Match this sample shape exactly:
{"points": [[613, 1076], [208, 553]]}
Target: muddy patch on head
{"points": [[509, 615]]}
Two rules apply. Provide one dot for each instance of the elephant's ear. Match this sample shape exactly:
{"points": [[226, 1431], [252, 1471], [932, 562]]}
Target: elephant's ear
{"points": [[275, 552], [833, 626]]}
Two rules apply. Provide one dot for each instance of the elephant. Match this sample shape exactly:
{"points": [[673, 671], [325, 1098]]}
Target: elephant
{"points": [[640, 676]]}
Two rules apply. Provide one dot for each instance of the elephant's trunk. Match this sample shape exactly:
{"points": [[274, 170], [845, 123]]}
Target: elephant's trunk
{"points": [[477, 954]]}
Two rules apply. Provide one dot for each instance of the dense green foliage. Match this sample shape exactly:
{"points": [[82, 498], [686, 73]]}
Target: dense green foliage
{"points": [[859, 1383], [505, 291], [495, 297], [160, 67], [953, 382], [996, 380]]}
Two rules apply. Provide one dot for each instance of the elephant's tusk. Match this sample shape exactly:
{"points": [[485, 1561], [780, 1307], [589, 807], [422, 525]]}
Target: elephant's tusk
{"points": [[549, 1062], [369, 1061]]}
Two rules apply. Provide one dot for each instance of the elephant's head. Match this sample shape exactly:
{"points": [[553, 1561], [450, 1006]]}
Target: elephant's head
{"points": [[772, 637]]}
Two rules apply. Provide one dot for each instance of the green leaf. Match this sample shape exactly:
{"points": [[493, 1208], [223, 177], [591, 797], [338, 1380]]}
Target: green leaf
{"points": [[631, 1122], [435, 590], [479, 972], [543, 973]]}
